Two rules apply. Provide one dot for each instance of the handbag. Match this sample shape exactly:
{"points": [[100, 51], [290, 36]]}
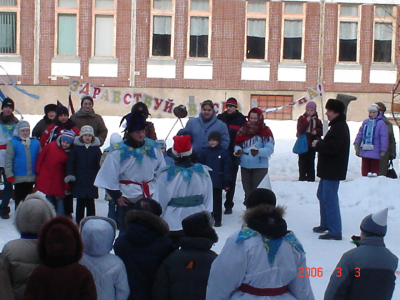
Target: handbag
{"points": [[301, 145], [391, 173]]}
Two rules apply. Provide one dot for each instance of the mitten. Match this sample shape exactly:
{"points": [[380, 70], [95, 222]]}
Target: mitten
{"points": [[10, 179], [357, 148], [238, 152]]}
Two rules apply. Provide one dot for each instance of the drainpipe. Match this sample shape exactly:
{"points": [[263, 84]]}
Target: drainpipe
{"points": [[36, 47], [133, 45]]}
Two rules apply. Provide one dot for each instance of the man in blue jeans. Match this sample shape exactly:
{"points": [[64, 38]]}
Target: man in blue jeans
{"points": [[333, 159], [7, 125]]}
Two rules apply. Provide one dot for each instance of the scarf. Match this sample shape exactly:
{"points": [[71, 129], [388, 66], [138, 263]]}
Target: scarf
{"points": [[249, 130], [369, 134]]}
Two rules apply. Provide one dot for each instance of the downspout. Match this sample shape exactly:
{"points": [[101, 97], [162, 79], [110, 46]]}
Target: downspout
{"points": [[36, 47], [133, 45]]}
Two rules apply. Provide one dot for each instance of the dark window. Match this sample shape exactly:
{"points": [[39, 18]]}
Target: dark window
{"points": [[292, 41], [198, 37], [256, 38], [383, 42], [348, 41], [7, 32], [161, 36]]}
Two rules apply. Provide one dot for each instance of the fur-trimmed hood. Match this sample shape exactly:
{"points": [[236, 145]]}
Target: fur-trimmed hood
{"points": [[98, 234], [267, 220]]}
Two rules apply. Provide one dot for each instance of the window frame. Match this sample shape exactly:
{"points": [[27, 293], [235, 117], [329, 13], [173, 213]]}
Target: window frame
{"points": [[197, 13], [17, 10], [265, 101], [162, 13], [386, 19], [66, 11], [254, 15], [353, 19], [293, 16], [104, 12]]}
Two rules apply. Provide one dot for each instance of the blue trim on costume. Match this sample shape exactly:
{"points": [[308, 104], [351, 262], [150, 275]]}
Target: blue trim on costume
{"points": [[187, 173], [138, 153]]}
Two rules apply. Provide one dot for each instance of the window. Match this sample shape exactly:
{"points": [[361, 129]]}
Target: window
{"points": [[384, 24], [272, 101], [8, 26], [348, 33], [104, 28], [293, 20], [199, 40], [67, 28], [256, 21], [162, 14]]}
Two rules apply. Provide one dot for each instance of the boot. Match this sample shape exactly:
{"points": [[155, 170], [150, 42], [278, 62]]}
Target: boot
{"points": [[5, 213]]}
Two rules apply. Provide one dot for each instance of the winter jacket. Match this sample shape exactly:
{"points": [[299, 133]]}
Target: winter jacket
{"points": [[199, 130], [20, 256], [379, 140], [6, 291], [108, 270], [142, 248], [261, 160], [51, 169], [234, 122], [333, 150], [218, 159], [52, 132], [81, 118], [304, 126], [391, 140], [60, 276], [82, 167], [367, 273], [21, 160], [7, 126], [184, 274], [41, 126]]}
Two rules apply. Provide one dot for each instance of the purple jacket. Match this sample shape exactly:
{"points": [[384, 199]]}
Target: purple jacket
{"points": [[380, 139]]}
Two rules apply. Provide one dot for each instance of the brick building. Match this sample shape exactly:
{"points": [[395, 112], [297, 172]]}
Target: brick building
{"points": [[263, 53]]}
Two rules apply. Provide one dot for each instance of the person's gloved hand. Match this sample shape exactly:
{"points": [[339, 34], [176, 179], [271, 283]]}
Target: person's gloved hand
{"points": [[357, 148], [383, 154], [238, 152], [10, 179], [68, 193]]}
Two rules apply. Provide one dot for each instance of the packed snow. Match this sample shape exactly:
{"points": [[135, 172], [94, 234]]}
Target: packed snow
{"points": [[359, 196]]}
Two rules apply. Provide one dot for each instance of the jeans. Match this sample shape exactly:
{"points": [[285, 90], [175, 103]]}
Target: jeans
{"points": [[58, 204], [327, 195], [8, 187], [21, 190], [113, 211]]}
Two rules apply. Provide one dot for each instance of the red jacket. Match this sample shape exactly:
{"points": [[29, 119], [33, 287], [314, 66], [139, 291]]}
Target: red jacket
{"points": [[54, 131], [51, 168], [315, 124]]}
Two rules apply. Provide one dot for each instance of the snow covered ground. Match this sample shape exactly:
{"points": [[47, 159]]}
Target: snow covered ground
{"points": [[358, 197]]}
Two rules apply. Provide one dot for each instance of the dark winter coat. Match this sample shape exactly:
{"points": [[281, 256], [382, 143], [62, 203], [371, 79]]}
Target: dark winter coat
{"points": [[82, 167], [60, 276], [54, 131], [305, 126], [41, 127], [367, 273], [333, 150], [234, 122], [143, 247], [218, 159], [51, 169]]}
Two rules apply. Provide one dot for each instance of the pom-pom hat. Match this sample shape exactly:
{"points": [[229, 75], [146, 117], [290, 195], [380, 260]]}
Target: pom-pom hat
{"points": [[182, 145], [67, 136], [231, 101], [375, 224]]}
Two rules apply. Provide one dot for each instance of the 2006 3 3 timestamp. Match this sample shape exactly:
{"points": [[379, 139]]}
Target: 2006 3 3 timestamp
{"points": [[319, 272]]}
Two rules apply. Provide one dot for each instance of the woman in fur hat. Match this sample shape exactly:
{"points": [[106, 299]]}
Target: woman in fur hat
{"points": [[263, 260], [48, 119]]}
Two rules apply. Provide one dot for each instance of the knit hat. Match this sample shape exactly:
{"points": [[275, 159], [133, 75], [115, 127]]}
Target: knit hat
{"points": [[215, 135], [8, 102], [115, 138], [373, 107], [135, 121], [335, 105], [182, 146], [267, 220], [50, 107], [61, 110], [67, 136], [149, 205], [311, 105], [21, 125], [260, 196], [231, 101], [200, 225], [87, 129], [381, 106], [375, 224], [87, 97], [162, 143]]}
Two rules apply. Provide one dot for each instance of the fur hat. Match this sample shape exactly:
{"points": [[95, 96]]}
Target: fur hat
{"points": [[381, 106], [87, 97], [32, 213], [375, 224], [260, 196], [149, 205], [335, 105], [267, 220], [67, 136], [115, 138], [312, 105], [215, 135], [50, 107], [182, 145], [87, 129], [231, 101], [373, 107], [200, 225], [8, 102]]}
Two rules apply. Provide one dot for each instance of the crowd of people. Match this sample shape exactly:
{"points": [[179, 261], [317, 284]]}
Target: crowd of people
{"points": [[165, 203]]}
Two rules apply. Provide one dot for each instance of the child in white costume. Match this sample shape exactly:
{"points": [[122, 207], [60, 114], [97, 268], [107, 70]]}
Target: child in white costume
{"points": [[185, 188]]}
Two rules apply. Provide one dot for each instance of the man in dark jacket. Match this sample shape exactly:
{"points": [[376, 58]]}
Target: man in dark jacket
{"points": [[333, 159], [367, 272], [48, 119], [234, 120]]}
